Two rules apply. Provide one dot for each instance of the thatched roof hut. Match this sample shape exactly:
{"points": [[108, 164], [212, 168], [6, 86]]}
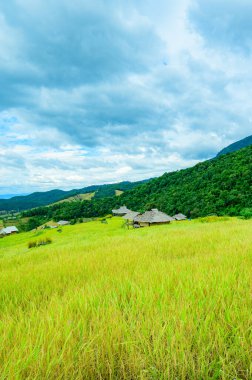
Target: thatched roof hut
{"points": [[131, 215], [123, 210], [152, 217], [9, 230], [179, 217], [63, 223]]}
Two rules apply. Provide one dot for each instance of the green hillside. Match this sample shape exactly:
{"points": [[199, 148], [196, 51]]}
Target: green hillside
{"points": [[236, 146], [77, 197], [221, 186], [38, 199]]}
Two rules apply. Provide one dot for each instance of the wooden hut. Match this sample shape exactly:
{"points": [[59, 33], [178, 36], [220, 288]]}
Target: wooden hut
{"points": [[129, 218], [179, 217], [9, 231], [153, 217], [63, 223], [131, 215], [123, 210]]}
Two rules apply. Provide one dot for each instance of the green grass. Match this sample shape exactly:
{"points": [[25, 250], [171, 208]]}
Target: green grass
{"points": [[103, 302], [118, 192], [75, 198]]}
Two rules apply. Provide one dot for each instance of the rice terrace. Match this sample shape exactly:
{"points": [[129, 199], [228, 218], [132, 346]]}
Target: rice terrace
{"points": [[105, 302]]}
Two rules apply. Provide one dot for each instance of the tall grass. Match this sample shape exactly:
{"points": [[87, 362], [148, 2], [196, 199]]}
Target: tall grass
{"points": [[102, 302]]}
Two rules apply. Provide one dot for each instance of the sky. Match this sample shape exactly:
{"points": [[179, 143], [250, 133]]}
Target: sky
{"points": [[96, 91]]}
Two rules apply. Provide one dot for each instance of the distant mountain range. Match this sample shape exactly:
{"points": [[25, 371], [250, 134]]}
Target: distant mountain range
{"points": [[236, 146], [8, 196], [37, 199]]}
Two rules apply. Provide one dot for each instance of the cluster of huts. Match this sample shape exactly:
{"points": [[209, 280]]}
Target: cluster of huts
{"points": [[14, 230], [148, 218], [8, 231]]}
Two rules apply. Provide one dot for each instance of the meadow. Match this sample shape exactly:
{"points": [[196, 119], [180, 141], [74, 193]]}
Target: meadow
{"points": [[103, 302]]}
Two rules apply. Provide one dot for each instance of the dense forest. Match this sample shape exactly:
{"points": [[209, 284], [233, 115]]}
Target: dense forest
{"points": [[221, 186]]}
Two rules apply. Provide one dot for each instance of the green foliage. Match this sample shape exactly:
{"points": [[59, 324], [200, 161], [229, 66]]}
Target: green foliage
{"points": [[33, 223], [246, 213]]}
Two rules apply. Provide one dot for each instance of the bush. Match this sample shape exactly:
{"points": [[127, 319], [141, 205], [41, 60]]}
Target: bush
{"points": [[44, 241], [32, 244], [246, 213]]}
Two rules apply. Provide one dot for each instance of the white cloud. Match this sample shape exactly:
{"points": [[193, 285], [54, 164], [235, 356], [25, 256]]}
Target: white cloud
{"points": [[104, 91]]}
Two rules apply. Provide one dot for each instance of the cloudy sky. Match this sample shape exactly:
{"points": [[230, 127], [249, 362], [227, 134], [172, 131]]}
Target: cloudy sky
{"points": [[96, 91]]}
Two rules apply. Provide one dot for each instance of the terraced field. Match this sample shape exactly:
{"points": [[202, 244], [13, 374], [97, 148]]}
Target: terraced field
{"points": [[103, 302]]}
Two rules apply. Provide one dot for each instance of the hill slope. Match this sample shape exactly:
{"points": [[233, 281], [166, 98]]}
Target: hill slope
{"points": [[236, 146], [222, 185], [103, 302], [48, 197]]}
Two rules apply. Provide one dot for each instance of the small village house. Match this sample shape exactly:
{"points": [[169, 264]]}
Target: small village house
{"points": [[179, 217], [9, 231], [131, 215], [153, 217], [123, 210], [63, 223]]}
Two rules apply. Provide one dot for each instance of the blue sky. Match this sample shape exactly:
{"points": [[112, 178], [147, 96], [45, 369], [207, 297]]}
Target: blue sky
{"points": [[103, 91]]}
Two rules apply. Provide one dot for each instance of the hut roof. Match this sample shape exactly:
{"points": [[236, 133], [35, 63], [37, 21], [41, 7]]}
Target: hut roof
{"points": [[63, 222], [8, 230], [153, 216], [122, 210], [130, 215], [179, 217]]}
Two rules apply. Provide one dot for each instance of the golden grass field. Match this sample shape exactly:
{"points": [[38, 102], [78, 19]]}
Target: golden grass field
{"points": [[103, 302]]}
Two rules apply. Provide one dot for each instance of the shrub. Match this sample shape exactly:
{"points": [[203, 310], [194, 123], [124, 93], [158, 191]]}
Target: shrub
{"points": [[48, 240], [246, 213], [44, 241], [32, 244]]}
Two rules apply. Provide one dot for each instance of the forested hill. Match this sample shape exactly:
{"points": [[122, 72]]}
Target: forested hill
{"points": [[236, 146], [220, 186], [20, 203]]}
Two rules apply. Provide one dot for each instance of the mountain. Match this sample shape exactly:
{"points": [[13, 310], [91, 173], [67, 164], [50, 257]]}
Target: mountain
{"points": [[222, 186], [20, 203], [8, 196], [236, 146]]}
